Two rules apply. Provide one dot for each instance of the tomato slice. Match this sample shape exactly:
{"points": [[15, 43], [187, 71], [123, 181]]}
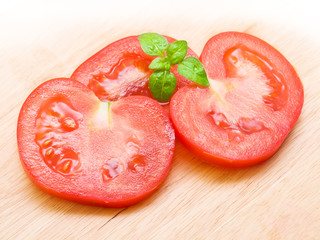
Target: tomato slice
{"points": [[76, 147], [254, 99], [121, 69]]}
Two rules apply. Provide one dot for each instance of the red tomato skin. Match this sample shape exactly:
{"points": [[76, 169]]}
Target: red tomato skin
{"points": [[53, 183], [212, 59], [106, 58]]}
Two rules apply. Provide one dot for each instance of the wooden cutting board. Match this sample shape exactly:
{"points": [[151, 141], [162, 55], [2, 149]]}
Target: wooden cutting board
{"points": [[279, 199]]}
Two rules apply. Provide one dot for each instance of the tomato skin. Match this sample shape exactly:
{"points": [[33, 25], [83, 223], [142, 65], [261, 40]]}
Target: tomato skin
{"points": [[103, 62], [210, 136], [141, 129]]}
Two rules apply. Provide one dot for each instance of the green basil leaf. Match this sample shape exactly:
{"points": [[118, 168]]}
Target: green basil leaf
{"points": [[177, 51], [160, 64], [192, 69], [153, 44], [162, 85]]}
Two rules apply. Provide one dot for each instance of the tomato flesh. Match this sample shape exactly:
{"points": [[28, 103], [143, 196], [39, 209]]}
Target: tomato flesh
{"points": [[54, 120], [240, 58], [121, 69], [253, 101], [76, 147], [128, 77]]}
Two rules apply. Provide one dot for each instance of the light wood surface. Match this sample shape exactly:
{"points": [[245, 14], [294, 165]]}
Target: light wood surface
{"points": [[279, 199]]}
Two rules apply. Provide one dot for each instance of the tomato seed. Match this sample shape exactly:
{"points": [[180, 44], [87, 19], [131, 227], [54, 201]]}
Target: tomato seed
{"points": [[50, 153], [69, 124], [47, 143]]}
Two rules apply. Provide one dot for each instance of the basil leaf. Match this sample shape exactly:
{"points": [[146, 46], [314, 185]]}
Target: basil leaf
{"points": [[153, 44], [160, 64], [162, 85], [192, 69], [177, 51]]}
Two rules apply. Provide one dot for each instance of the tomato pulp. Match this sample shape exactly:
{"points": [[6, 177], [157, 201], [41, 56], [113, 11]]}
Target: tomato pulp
{"points": [[121, 69], [254, 99], [76, 147]]}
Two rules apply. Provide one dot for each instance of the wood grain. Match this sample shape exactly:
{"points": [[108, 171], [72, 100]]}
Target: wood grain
{"points": [[279, 199]]}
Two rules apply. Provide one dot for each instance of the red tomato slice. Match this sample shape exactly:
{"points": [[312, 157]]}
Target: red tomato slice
{"points": [[76, 147], [121, 69], [254, 100]]}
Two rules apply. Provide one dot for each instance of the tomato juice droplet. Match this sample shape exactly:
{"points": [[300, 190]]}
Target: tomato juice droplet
{"points": [[238, 60], [243, 125], [128, 77], [111, 169], [235, 136], [220, 120], [251, 125], [55, 118], [133, 144], [137, 163], [130, 160]]}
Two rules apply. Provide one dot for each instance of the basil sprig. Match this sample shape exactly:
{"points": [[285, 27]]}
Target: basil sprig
{"points": [[160, 63], [162, 82], [153, 44], [192, 69]]}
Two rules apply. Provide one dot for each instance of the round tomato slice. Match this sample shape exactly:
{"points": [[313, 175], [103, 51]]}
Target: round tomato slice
{"points": [[76, 147], [121, 69], [254, 99]]}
